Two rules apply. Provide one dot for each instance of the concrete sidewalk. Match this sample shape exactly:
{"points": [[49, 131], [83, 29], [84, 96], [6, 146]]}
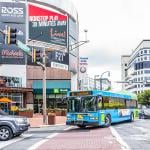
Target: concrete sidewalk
{"points": [[37, 120]]}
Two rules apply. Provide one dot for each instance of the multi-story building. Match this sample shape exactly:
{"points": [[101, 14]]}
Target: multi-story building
{"points": [[48, 24], [136, 68]]}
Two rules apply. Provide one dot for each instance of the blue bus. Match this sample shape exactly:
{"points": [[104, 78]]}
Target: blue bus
{"points": [[96, 108]]}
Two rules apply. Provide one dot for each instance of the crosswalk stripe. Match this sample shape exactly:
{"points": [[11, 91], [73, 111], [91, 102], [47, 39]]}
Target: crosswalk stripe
{"points": [[14, 140]]}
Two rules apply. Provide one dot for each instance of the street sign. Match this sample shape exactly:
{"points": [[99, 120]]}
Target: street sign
{"points": [[59, 65], [23, 46]]}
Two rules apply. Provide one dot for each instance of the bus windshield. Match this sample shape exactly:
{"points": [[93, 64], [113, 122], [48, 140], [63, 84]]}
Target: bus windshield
{"points": [[82, 104]]}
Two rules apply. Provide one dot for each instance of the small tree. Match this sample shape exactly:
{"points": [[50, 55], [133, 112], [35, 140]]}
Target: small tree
{"points": [[144, 97]]}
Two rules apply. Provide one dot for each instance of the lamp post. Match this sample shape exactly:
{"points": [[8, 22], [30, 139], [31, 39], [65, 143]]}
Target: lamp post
{"points": [[95, 78], [101, 88]]}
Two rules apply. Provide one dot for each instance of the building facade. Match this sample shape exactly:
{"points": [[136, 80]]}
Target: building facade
{"points": [[42, 25], [136, 68]]}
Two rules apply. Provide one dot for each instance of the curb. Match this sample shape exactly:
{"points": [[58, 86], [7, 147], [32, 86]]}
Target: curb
{"points": [[44, 126]]}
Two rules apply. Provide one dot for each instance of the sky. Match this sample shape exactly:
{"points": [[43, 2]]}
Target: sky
{"points": [[115, 28]]}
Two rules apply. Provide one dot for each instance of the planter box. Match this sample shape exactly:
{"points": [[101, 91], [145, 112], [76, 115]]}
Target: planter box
{"points": [[64, 112], [51, 118], [28, 114], [58, 112]]}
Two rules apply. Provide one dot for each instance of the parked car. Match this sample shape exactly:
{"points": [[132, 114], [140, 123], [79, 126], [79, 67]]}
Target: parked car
{"points": [[144, 112], [11, 126]]}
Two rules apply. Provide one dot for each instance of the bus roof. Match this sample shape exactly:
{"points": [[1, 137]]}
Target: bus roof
{"points": [[121, 94]]}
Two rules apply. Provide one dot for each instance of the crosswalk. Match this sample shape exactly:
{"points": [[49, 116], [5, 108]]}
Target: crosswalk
{"points": [[3, 144]]}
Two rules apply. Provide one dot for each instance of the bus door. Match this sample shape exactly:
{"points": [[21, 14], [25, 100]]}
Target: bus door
{"points": [[100, 110]]}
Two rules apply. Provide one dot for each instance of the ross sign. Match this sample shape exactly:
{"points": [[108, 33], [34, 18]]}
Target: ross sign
{"points": [[23, 46], [51, 24], [12, 12]]}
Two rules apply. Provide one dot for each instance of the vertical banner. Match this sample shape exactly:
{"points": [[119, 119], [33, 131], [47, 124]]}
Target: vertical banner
{"points": [[12, 15], [52, 25], [83, 65]]}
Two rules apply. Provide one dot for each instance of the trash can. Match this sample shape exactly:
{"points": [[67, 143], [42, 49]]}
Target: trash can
{"points": [[51, 118]]}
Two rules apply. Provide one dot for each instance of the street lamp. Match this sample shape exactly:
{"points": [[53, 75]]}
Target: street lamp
{"points": [[95, 79], [101, 88]]}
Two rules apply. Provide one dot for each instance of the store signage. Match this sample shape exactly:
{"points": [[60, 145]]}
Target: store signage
{"points": [[12, 12], [58, 59], [51, 24], [12, 54]]}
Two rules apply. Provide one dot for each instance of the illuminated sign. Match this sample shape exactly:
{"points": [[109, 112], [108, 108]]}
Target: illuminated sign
{"points": [[81, 93]]}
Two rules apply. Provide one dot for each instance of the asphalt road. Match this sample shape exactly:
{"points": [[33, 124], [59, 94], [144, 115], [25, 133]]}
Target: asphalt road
{"points": [[131, 136], [135, 135], [29, 138]]}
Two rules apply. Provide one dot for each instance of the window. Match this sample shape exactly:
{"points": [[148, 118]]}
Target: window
{"points": [[111, 103], [131, 103], [145, 51], [145, 58]]}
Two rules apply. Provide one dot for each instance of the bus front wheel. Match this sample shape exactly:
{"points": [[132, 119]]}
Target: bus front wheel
{"points": [[107, 120], [81, 126]]}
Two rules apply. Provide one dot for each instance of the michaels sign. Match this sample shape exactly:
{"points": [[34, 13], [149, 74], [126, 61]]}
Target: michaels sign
{"points": [[12, 12]]}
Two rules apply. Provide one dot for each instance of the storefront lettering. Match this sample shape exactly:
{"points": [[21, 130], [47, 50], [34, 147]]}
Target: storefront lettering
{"points": [[12, 54]]}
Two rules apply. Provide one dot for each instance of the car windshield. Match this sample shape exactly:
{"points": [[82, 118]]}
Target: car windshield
{"points": [[82, 104], [2, 112]]}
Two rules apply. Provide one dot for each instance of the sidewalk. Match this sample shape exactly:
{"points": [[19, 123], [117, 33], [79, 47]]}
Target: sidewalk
{"points": [[37, 120]]}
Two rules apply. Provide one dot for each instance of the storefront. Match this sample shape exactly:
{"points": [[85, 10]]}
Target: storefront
{"points": [[56, 90]]}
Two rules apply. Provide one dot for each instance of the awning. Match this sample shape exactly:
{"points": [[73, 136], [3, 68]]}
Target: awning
{"points": [[5, 100], [52, 86]]}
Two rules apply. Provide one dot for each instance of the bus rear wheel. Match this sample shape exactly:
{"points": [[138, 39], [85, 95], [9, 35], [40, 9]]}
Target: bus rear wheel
{"points": [[107, 120], [131, 117]]}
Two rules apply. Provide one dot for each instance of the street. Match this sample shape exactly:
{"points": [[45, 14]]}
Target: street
{"points": [[129, 136], [136, 135]]}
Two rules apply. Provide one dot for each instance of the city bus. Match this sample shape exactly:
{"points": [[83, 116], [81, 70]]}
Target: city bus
{"points": [[100, 108]]}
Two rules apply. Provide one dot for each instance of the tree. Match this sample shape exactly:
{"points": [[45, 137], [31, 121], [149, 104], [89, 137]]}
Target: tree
{"points": [[144, 97]]}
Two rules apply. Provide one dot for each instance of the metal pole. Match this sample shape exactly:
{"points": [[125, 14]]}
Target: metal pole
{"points": [[95, 82], [44, 88], [100, 84]]}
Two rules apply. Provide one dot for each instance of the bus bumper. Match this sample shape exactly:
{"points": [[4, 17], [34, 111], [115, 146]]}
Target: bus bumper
{"points": [[86, 123]]}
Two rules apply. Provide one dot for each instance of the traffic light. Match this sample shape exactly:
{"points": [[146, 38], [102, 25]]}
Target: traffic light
{"points": [[11, 35], [38, 55]]}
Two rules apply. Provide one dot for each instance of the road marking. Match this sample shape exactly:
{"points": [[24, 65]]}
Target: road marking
{"points": [[124, 145], [14, 140], [38, 144]]}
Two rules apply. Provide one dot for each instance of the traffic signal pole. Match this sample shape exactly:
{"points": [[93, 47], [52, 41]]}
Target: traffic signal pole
{"points": [[45, 121], [44, 88]]}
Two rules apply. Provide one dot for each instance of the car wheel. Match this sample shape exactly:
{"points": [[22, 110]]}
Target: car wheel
{"points": [[5, 133], [107, 121]]}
